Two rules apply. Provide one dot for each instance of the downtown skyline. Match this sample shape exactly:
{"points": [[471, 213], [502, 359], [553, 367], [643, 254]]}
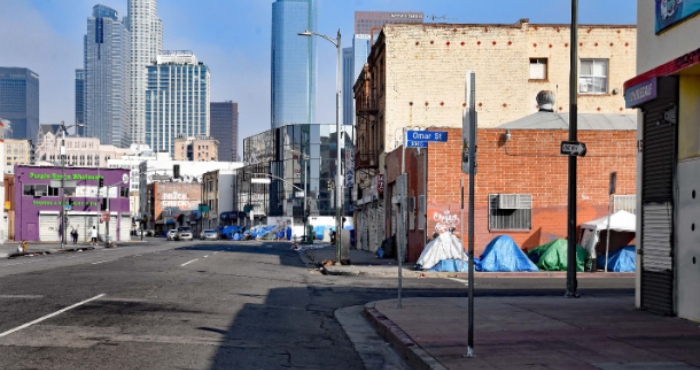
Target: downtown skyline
{"points": [[238, 53]]}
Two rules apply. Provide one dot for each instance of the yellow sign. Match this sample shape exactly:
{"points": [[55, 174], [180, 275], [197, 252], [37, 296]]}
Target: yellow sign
{"points": [[8, 205]]}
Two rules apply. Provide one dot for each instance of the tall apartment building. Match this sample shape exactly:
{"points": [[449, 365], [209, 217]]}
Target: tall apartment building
{"points": [[146, 31], [18, 151], [293, 62], [177, 99], [355, 57], [19, 101], [223, 127], [107, 54], [196, 149], [80, 100]]}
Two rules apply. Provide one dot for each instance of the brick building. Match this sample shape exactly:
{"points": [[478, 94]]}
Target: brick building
{"points": [[415, 77], [172, 204], [513, 161], [196, 149]]}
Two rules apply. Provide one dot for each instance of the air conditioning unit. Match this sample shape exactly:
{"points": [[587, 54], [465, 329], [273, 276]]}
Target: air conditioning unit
{"points": [[39, 194], [514, 201]]}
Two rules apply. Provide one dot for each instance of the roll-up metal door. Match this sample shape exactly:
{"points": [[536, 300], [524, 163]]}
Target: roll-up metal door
{"points": [[113, 226], [49, 227], [659, 165], [78, 222], [125, 228]]}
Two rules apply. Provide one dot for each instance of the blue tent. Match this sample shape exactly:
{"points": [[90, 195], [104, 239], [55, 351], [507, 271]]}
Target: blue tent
{"points": [[451, 265], [621, 260], [503, 255]]}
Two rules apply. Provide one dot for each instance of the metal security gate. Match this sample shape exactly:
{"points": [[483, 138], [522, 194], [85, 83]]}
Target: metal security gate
{"points": [[659, 164], [49, 223], [125, 227]]}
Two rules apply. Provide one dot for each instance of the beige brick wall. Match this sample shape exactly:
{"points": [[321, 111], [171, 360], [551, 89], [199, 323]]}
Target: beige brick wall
{"points": [[426, 66]]}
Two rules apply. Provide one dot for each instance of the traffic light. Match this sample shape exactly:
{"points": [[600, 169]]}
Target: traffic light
{"points": [[101, 183], [103, 206], [70, 202], [176, 171]]}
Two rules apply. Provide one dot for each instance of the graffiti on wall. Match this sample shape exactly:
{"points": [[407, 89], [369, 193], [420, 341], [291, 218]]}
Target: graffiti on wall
{"points": [[445, 221]]}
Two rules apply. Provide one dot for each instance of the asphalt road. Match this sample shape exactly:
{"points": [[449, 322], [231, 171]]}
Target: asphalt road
{"points": [[202, 305]]}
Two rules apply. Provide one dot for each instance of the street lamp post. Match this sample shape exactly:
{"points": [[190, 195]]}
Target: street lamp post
{"points": [[63, 179], [338, 177]]}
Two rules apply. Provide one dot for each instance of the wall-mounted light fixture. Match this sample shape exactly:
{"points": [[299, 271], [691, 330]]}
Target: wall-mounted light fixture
{"points": [[507, 136]]}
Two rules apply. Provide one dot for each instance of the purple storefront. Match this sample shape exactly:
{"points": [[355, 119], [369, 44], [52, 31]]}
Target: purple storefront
{"points": [[38, 203]]}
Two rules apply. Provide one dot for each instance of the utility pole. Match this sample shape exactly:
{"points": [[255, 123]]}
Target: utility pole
{"points": [[571, 283], [63, 183]]}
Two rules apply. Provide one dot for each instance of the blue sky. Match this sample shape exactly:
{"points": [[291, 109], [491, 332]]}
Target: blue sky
{"points": [[233, 38]]}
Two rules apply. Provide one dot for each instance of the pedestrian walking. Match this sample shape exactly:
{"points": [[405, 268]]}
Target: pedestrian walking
{"points": [[75, 236], [93, 235]]}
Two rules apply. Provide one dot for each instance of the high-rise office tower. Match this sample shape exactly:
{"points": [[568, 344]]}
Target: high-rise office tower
{"points": [[348, 99], [224, 128], [146, 44], [80, 101], [365, 21], [293, 62], [107, 91], [19, 102], [177, 99], [355, 57]]}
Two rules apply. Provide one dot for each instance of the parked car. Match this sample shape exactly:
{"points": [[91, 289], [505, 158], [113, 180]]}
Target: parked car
{"points": [[184, 233], [209, 234], [171, 234]]}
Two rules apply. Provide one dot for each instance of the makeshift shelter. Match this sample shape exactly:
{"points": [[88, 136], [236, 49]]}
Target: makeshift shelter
{"points": [[444, 247], [622, 260], [502, 254], [552, 256], [620, 222]]}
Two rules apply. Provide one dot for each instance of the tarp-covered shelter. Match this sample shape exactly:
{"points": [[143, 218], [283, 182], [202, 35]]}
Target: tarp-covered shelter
{"points": [[444, 247], [620, 222], [552, 256], [502, 254], [622, 260]]}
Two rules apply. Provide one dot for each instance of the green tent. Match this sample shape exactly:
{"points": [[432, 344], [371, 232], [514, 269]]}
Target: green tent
{"points": [[552, 256]]}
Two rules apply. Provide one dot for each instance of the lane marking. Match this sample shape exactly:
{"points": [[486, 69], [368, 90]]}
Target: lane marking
{"points": [[188, 262], [51, 315], [21, 296], [97, 263], [206, 256], [463, 281]]}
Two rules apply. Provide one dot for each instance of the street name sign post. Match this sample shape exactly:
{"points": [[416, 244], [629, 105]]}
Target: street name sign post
{"points": [[573, 148]]}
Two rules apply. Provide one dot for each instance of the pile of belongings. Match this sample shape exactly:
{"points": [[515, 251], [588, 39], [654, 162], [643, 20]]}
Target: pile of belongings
{"points": [[502, 254], [621, 260], [444, 254], [552, 256]]}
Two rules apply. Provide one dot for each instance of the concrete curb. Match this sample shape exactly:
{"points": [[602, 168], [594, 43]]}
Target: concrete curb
{"points": [[413, 274], [415, 355]]}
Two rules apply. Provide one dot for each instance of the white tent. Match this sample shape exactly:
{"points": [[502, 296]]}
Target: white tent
{"points": [[620, 221]]}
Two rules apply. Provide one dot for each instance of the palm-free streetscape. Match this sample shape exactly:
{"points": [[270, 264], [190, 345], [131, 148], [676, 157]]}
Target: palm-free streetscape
{"points": [[451, 185], [263, 304]]}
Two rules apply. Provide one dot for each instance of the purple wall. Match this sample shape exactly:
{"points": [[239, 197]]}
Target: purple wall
{"points": [[27, 207]]}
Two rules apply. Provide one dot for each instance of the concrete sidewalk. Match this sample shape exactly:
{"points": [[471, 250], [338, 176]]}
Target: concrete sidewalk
{"points": [[364, 263], [536, 333], [9, 248]]}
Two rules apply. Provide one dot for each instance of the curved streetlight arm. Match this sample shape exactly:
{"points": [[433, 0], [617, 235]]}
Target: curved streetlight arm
{"points": [[335, 41]]}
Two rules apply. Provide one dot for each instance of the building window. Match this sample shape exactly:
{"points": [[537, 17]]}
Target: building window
{"points": [[510, 212], [593, 76], [538, 68], [52, 192], [28, 190], [124, 192]]}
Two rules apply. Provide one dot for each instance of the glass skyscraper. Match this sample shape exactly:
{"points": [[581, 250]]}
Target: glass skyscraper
{"points": [[177, 99], [19, 102], [224, 128], [146, 44], [107, 54], [293, 63], [80, 101]]}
